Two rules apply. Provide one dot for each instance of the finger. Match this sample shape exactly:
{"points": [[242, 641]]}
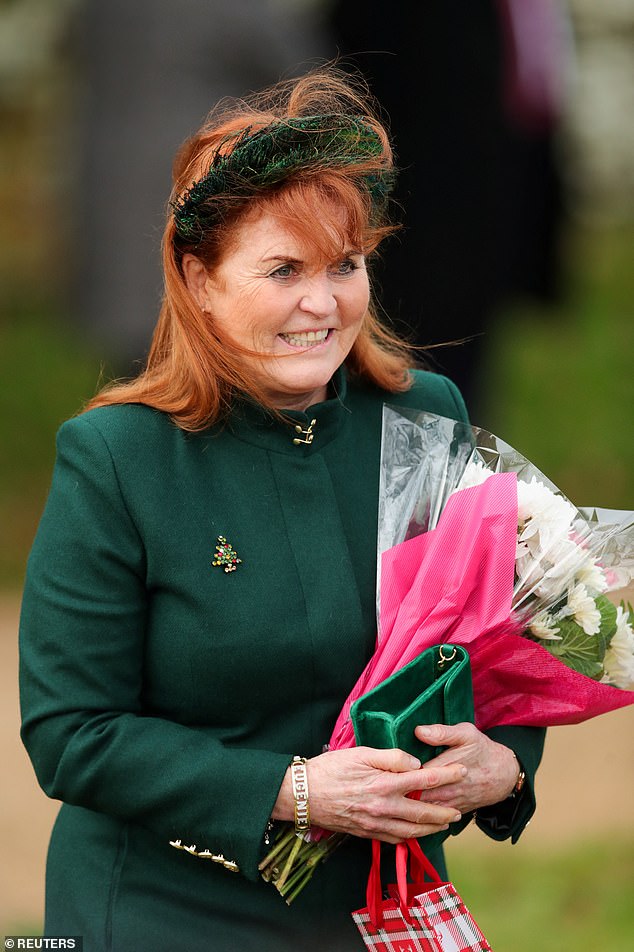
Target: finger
{"points": [[405, 831], [394, 760], [422, 813], [432, 777], [452, 795], [421, 821], [446, 735], [453, 755]]}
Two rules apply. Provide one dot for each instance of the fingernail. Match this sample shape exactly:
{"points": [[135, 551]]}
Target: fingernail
{"points": [[416, 764], [463, 771], [426, 731], [457, 817]]}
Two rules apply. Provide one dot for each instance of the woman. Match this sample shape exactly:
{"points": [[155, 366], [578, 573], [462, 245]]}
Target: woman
{"points": [[200, 595]]}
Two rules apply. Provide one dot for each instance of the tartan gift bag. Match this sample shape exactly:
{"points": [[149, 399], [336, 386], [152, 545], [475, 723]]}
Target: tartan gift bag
{"points": [[418, 916]]}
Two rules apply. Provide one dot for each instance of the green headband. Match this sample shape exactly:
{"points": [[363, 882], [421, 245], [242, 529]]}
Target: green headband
{"points": [[273, 153]]}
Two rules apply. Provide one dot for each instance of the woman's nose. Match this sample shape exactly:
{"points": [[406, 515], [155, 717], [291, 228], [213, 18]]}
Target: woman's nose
{"points": [[318, 297]]}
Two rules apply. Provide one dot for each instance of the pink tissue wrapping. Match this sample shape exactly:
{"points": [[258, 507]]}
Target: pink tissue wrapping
{"points": [[455, 584]]}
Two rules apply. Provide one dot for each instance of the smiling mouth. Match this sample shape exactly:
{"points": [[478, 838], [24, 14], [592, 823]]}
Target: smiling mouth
{"points": [[306, 338]]}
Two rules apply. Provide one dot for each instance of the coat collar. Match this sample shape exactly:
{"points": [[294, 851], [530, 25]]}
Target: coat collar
{"points": [[295, 433]]}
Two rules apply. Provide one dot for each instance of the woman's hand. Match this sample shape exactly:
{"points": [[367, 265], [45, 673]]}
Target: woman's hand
{"points": [[363, 791], [492, 769]]}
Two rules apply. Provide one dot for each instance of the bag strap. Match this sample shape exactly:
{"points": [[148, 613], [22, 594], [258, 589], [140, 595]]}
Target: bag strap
{"points": [[420, 865], [419, 868], [374, 892]]}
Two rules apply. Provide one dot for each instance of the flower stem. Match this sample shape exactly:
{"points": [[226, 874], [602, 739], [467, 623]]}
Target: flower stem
{"points": [[297, 845], [291, 862], [307, 876], [284, 838]]}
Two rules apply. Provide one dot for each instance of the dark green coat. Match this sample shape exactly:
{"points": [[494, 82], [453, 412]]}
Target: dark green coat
{"points": [[163, 698]]}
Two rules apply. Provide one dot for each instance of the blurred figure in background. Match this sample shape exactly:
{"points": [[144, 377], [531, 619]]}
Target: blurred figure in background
{"points": [[150, 69], [476, 148]]}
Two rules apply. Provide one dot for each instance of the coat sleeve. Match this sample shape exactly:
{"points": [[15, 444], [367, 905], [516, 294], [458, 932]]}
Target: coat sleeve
{"points": [[81, 677], [510, 817]]}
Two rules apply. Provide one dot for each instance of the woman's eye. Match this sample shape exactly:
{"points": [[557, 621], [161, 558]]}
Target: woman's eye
{"points": [[284, 271], [347, 266]]}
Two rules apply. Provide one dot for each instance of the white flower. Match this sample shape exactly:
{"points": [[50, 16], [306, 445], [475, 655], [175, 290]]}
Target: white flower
{"points": [[619, 658], [618, 576], [542, 511], [547, 574], [592, 576], [474, 474], [582, 607], [543, 626], [539, 579], [536, 501]]}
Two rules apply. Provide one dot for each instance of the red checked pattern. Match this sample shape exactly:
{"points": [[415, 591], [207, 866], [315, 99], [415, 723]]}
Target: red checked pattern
{"points": [[396, 935], [425, 915], [454, 927], [442, 923]]}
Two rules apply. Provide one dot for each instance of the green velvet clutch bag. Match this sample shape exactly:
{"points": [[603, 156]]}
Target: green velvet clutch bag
{"points": [[434, 688]]}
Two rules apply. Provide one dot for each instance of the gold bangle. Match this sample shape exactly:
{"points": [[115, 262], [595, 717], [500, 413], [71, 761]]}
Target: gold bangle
{"points": [[521, 779], [299, 780]]}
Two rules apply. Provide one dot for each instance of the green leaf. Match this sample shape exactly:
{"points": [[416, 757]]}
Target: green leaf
{"points": [[608, 620], [579, 651]]}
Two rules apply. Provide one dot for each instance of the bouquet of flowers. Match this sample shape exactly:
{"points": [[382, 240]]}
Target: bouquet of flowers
{"points": [[477, 547]]}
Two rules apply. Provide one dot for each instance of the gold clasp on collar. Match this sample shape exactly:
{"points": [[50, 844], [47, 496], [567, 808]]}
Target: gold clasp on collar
{"points": [[308, 434]]}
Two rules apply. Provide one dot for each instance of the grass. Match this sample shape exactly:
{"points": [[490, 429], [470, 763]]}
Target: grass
{"points": [[578, 898], [46, 373], [559, 381]]}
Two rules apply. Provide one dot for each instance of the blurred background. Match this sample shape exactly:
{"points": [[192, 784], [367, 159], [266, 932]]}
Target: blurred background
{"points": [[512, 127]]}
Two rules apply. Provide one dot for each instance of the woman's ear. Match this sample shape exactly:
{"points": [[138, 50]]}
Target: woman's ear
{"points": [[196, 278]]}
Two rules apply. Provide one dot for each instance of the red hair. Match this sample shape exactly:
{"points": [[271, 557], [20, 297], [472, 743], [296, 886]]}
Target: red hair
{"points": [[191, 372]]}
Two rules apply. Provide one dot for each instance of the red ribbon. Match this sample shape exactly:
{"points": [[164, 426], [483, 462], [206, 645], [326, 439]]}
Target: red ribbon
{"points": [[420, 867]]}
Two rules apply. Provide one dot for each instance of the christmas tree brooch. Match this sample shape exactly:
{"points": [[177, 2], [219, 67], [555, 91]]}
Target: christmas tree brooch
{"points": [[225, 555]]}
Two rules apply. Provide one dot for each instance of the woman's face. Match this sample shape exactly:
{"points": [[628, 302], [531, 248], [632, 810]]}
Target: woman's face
{"points": [[274, 295]]}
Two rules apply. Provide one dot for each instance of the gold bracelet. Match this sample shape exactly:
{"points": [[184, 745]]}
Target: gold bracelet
{"points": [[299, 780], [521, 779]]}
